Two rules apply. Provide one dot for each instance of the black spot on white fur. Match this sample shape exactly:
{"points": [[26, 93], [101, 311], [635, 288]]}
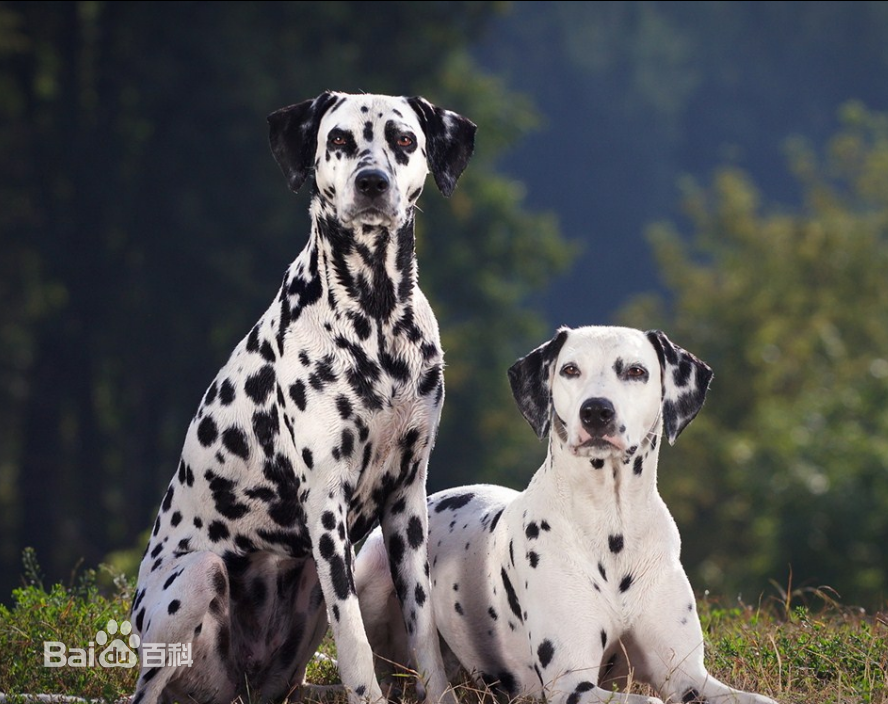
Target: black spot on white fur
{"points": [[453, 503], [545, 651]]}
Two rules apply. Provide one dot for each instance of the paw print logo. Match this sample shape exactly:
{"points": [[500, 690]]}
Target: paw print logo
{"points": [[118, 653]]}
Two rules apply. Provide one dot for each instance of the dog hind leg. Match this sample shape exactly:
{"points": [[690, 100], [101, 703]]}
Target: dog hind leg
{"points": [[186, 603]]}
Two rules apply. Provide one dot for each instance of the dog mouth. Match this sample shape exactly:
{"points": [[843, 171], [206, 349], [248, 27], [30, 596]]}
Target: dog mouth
{"points": [[598, 445], [370, 215]]}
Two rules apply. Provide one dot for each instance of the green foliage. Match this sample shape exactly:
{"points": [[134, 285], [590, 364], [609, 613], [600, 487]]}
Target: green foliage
{"points": [[786, 465], [71, 615]]}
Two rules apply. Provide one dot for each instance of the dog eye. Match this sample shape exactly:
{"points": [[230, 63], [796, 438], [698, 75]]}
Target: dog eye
{"points": [[636, 372], [570, 370], [405, 140], [337, 139]]}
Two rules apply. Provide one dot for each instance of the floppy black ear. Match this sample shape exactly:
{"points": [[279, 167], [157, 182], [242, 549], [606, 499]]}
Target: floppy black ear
{"points": [[450, 141], [531, 385], [685, 383], [293, 134]]}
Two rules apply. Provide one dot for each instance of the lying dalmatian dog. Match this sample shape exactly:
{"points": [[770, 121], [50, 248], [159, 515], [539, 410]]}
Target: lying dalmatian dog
{"points": [[574, 585], [320, 424]]}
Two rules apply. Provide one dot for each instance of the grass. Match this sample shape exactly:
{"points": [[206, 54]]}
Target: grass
{"points": [[833, 655], [68, 614]]}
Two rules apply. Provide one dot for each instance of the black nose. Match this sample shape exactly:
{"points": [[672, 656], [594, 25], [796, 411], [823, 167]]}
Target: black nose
{"points": [[596, 414], [371, 182]]}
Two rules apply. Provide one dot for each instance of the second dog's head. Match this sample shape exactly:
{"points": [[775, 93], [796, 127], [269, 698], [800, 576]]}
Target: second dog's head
{"points": [[604, 390], [370, 153]]}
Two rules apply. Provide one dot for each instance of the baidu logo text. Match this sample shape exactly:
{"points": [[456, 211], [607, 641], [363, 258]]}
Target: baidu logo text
{"points": [[118, 653]]}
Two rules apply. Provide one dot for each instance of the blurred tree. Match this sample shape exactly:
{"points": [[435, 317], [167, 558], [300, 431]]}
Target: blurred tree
{"points": [[633, 93], [787, 466], [144, 227]]}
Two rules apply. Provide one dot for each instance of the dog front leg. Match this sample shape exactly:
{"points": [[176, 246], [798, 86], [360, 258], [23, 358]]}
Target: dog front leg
{"points": [[334, 555], [673, 637], [405, 531]]}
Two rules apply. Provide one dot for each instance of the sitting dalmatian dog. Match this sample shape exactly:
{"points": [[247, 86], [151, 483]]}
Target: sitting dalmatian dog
{"points": [[573, 586], [319, 425]]}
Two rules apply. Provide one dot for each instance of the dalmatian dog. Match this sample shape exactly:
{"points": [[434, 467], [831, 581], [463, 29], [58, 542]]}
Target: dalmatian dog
{"points": [[319, 425], [574, 586]]}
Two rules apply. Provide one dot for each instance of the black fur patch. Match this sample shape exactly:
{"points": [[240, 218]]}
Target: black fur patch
{"points": [[452, 503], [362, 375], [167, 499], [396, 549], [344, 407], [581, 688], [225, 501], [259, 385], [297, 393], [226, 393], [235, 441], [217, 531], [207, 431], [267, 351], [430, 381], [323, 374], [514, 604], [415, 533], [266, 425], [545, 651], [341, 577]]}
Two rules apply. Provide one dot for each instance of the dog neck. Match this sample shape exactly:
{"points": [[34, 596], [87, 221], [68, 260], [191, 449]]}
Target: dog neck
{"points": [[366, 272], [620, 482]]}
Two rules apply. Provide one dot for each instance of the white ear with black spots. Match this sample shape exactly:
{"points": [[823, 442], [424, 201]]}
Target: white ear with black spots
{"points": [[685, 383], [293, 135], [531, 381], [450, 141]]}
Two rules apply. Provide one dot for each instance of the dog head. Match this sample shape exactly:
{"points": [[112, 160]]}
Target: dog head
{"points": [[606, 389], [370, 153]]}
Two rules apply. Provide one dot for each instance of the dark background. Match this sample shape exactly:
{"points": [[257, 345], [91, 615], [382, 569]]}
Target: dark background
{"points": [[144, 227]]}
